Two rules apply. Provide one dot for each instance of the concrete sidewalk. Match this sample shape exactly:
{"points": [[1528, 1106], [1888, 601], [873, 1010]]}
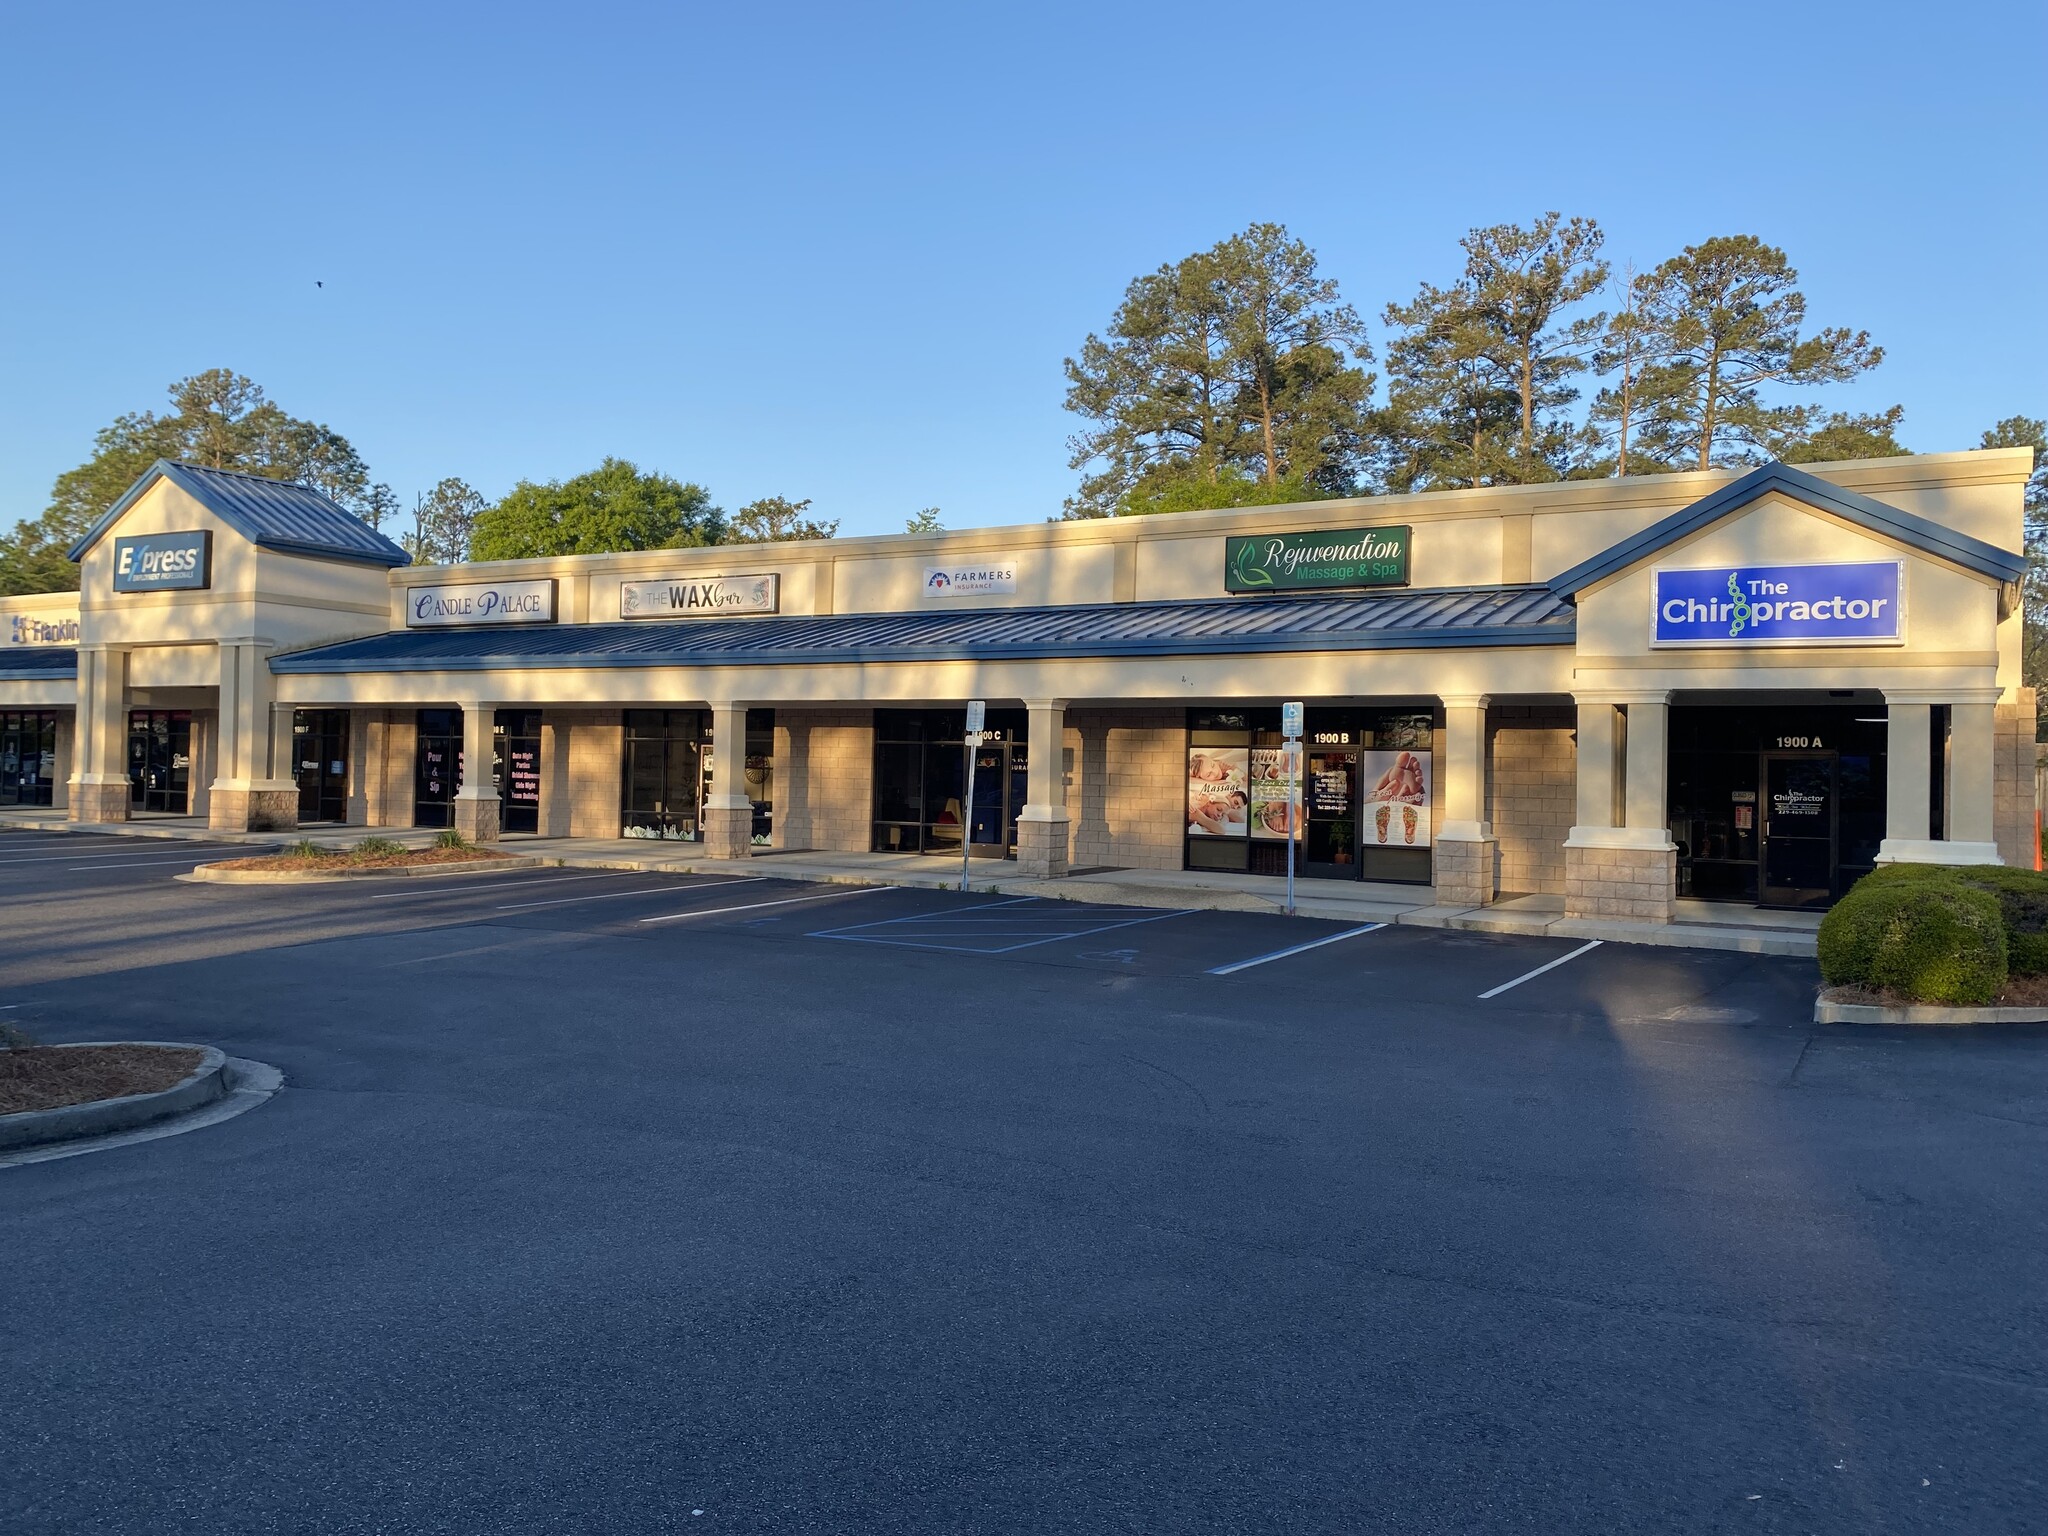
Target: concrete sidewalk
{"points": [[1699, 924]]}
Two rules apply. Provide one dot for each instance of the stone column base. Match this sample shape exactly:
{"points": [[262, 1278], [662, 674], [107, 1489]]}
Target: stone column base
{"points": [[257, 806], [1464, 871], [100, 800], [1636, 884], [478, 819], [728, 831], [1042, 849]]}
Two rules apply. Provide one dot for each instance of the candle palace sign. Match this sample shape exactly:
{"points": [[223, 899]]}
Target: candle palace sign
{"points": [[463, 604], [1294, 562]]}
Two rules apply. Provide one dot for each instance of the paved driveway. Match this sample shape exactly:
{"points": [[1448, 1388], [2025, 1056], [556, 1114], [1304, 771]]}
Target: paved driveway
{"points": [[598, 1201]]}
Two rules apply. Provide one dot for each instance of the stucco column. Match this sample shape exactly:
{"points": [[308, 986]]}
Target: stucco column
{"points": [[476, 807], [1908, 759], [99, 788], [1463, 858], [247, 794], [1042, 827], [728, 816], [1625, 868], [1908, 787]]}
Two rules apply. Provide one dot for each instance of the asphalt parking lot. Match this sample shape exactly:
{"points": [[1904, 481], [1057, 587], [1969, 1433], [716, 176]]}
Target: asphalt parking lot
{"points": [[600, 1200]]}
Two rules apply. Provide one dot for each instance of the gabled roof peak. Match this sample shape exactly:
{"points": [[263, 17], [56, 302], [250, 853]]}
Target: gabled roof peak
{"points": [[1852, 506], [278, 515]]}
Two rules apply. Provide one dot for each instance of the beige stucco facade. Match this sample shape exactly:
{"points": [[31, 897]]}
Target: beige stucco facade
{"points": [[1552, 758]]}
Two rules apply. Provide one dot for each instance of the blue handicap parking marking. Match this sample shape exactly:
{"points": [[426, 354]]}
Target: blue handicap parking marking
{"points": [[997, 927]]}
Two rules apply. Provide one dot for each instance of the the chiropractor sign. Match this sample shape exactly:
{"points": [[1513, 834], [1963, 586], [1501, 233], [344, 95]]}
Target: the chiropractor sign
{"points": [[1750, 605]]}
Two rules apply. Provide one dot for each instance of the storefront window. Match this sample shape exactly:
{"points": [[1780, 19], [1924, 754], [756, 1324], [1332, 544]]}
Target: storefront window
{"points": [[761, 773], [437, 770], [1365, 793], [28, 757], [921, 782], [664, 773], [160, 761], [515, 768], [320, 763]]}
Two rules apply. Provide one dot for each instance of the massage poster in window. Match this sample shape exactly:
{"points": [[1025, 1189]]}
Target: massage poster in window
{"points": [[1396, 799], [1270, 781], [1219, 794]]}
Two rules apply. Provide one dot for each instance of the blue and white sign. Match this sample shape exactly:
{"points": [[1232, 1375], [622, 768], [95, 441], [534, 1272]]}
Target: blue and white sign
{"points": [[481, 602], [1863, 603], [164, 562]]}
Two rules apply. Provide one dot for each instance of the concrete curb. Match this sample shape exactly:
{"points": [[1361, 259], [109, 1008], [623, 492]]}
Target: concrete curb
{"points": [[1828, 1010], [212, 874], [39, 1127]]}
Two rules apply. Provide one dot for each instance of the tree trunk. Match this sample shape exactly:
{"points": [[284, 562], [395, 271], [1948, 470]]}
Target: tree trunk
{"points": [[1707, 411], [1266, 412], [1528, 400]]}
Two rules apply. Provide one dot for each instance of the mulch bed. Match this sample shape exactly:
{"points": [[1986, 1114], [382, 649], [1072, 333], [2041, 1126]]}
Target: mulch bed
{"points": [[348, 860], [2020, 992], [52, 1076]]}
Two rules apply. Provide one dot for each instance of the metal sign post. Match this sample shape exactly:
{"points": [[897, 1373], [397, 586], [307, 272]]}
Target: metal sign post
{"points": [[977, 717], [1290, 731]]}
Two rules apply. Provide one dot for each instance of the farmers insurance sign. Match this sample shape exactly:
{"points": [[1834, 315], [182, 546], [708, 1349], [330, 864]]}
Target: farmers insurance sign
{"points": [[1755, 605], [699, 596], [481, 602], [995, 577], [164, 562], [1289, 562]]}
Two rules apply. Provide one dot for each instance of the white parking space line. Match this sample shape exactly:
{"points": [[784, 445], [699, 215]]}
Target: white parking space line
{"points": [[497, 883], [1298, 949], [58, 858], [956, 931], [190, 858], [652, 890], [755, 906], [1532, 975]]}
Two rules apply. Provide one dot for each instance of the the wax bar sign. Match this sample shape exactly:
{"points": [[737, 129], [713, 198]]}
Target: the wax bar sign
{"points": [[1860, 603]]}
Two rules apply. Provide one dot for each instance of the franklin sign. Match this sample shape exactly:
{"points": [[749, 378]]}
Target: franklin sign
{"points": [[481, 602], [695, 597], [1759, 605]]}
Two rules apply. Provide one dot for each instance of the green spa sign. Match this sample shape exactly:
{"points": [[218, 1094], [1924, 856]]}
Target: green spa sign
{"points": [[1337, 557]]}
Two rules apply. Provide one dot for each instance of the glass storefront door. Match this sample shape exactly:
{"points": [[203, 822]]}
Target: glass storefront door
{"points": [[28, 757], [664, 773], [515, 768], [1330, 813], [160, 761], [921, 798], [320, 763], [1799, 829]]}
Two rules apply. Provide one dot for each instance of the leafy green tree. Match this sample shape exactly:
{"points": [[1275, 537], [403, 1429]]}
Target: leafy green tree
{"points": [[443, 524], [616, 506], [1726, 318], [926, 521], [220, 419], [1841, 435], [1479, 370], [1238, 358], [776, 520], [1611, 442]]}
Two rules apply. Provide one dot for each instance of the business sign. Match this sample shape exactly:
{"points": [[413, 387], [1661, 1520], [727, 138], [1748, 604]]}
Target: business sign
{"points": [[481, 602], [164, 562], [980, 578], [1293, 562], [27, 629], [1862, 603], [699, 596]]}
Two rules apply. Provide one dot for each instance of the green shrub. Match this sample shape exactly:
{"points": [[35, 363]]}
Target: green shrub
{"points": [[450, 838], [305, 848], [1926, 939], [2021, 894], [377, 848]]}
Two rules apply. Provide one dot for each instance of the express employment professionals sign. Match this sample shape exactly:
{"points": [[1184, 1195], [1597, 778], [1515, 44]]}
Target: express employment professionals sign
{"points": [[699, 596], [481, 602], [1340, 557], [164, 562], [1860, 603]]}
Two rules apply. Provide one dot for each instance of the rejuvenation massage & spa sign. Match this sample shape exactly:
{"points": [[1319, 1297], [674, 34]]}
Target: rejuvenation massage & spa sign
{"points": [[1337, 557]]}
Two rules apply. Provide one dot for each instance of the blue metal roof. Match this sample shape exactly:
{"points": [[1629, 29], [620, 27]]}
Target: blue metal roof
{"points": [[33, 663], [271, 514], [1864, 511], [1463, 616]]}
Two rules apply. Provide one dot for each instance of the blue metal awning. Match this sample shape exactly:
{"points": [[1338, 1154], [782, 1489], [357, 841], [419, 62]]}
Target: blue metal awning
{"points": [[1407, 620]]}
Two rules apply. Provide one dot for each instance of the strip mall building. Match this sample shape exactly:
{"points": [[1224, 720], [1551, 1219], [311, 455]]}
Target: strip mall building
{"points": [[1620, 692]]}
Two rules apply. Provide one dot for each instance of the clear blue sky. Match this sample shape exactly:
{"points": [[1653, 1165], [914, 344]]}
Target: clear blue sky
{"points": [[839, 252]]}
